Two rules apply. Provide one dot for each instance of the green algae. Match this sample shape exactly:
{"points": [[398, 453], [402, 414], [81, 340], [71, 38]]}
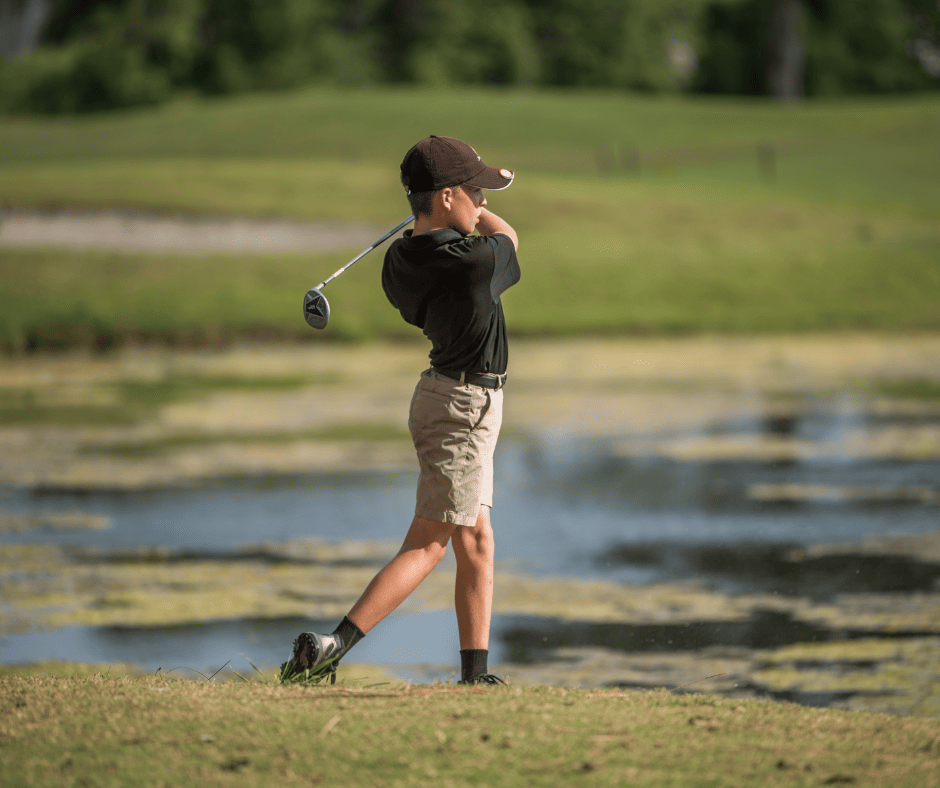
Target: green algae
{"points": [[52, 521], [49, 586], [888, 613], [896, 675], [155, 586], [129, 400], [346, 431]]}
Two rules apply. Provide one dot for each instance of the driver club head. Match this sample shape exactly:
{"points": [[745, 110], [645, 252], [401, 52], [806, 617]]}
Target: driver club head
{"points": [[316, 309]]}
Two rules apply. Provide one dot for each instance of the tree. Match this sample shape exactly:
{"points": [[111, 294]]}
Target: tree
{"points": [[786, 48], [862, 46], [488, 43], [606, 43]]}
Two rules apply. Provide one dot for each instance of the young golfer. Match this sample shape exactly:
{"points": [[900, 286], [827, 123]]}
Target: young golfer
{"points": [[446, 280]]}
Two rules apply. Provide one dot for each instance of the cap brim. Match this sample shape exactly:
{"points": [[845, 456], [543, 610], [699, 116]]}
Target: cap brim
{"points": [[492, 179]]}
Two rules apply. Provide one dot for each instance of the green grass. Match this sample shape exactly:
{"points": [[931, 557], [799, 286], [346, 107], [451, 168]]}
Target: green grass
{"points": [[352, 431], [922, 389], [637, 215], [154, 393], [659, 267], [155, 731], [304, 146]]}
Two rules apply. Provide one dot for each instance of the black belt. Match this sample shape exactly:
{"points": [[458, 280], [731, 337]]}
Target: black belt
{"points": [[489, 380]]}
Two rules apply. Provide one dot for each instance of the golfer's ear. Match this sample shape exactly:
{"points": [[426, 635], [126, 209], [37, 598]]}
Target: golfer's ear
{"points": [[446, 197]]}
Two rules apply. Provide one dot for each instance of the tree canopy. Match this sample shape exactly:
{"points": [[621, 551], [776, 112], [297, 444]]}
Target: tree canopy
{"points": [[96, 54]]}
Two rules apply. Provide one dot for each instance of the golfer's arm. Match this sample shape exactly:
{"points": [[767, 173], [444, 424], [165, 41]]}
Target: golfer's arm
{"points": [[490, 224]]}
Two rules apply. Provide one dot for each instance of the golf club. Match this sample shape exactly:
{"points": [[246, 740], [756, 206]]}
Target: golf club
{"points": [[316, 307]]}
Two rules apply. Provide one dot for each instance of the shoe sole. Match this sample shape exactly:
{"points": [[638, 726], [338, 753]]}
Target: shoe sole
{"points": [[487, 679]]}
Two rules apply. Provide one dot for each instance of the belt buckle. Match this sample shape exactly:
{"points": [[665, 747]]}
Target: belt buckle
{"points": [[499, 380]]}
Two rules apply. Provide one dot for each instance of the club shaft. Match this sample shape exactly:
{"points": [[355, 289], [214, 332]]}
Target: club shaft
{"points": [[364, 252]]}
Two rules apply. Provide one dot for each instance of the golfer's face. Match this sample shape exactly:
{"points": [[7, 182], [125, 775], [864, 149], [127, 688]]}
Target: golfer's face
{"points": [[468, 203]]}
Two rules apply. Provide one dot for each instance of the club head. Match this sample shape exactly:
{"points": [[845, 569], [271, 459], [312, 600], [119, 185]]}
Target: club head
{"points": [[316, 309]]}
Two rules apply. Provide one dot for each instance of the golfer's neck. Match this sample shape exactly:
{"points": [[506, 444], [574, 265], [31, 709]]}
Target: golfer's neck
{"points": [[425, 224]]}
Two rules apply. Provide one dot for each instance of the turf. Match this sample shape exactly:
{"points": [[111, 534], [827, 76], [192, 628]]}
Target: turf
{"points": [[302, 144], [156, 731]]}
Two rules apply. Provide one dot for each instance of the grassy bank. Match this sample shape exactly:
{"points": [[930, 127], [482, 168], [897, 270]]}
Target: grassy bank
{"points": [[636, 215], [305, 153], [756, 280], [111, 730]]}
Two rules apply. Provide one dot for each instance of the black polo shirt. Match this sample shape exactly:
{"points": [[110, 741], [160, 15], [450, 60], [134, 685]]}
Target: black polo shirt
{"points": [[448, 285]]}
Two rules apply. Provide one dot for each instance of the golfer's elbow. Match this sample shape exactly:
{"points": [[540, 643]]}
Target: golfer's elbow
{"points": [[491, 224], [505, 229]]}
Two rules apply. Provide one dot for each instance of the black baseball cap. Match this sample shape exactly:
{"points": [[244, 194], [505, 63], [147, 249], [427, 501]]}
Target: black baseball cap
{"points": [[438, 162]]}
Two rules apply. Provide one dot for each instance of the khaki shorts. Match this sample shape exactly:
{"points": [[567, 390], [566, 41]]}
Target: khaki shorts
{"points": [[454, 427]]}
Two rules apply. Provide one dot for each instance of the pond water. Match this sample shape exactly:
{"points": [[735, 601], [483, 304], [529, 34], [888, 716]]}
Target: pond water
{"points": [[564, 506]]}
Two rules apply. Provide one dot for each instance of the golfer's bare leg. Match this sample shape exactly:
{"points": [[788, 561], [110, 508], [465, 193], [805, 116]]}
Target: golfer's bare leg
{"points": [[422, 550], [473, 591]]}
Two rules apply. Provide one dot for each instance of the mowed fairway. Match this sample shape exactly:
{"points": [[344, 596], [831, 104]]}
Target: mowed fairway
{"points": [[154, 731], [637, 215]]}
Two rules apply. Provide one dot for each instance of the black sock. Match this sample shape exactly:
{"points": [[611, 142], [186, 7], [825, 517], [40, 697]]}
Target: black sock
{"points": [[349, 633], [473, 663]]}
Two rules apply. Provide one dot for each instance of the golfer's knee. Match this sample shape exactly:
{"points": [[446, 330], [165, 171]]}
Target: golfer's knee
{"points": [[429, 537], [483, 530], [480, 555], [436, 552], [476, 545]]}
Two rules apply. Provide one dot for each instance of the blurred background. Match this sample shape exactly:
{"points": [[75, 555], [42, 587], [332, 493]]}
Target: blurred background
{"points": [[80, 55], [722, 443]]}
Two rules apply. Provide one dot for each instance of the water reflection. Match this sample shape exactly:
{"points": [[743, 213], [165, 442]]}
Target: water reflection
{"points": [[775, 568], [656, 483], [533, 640]]}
